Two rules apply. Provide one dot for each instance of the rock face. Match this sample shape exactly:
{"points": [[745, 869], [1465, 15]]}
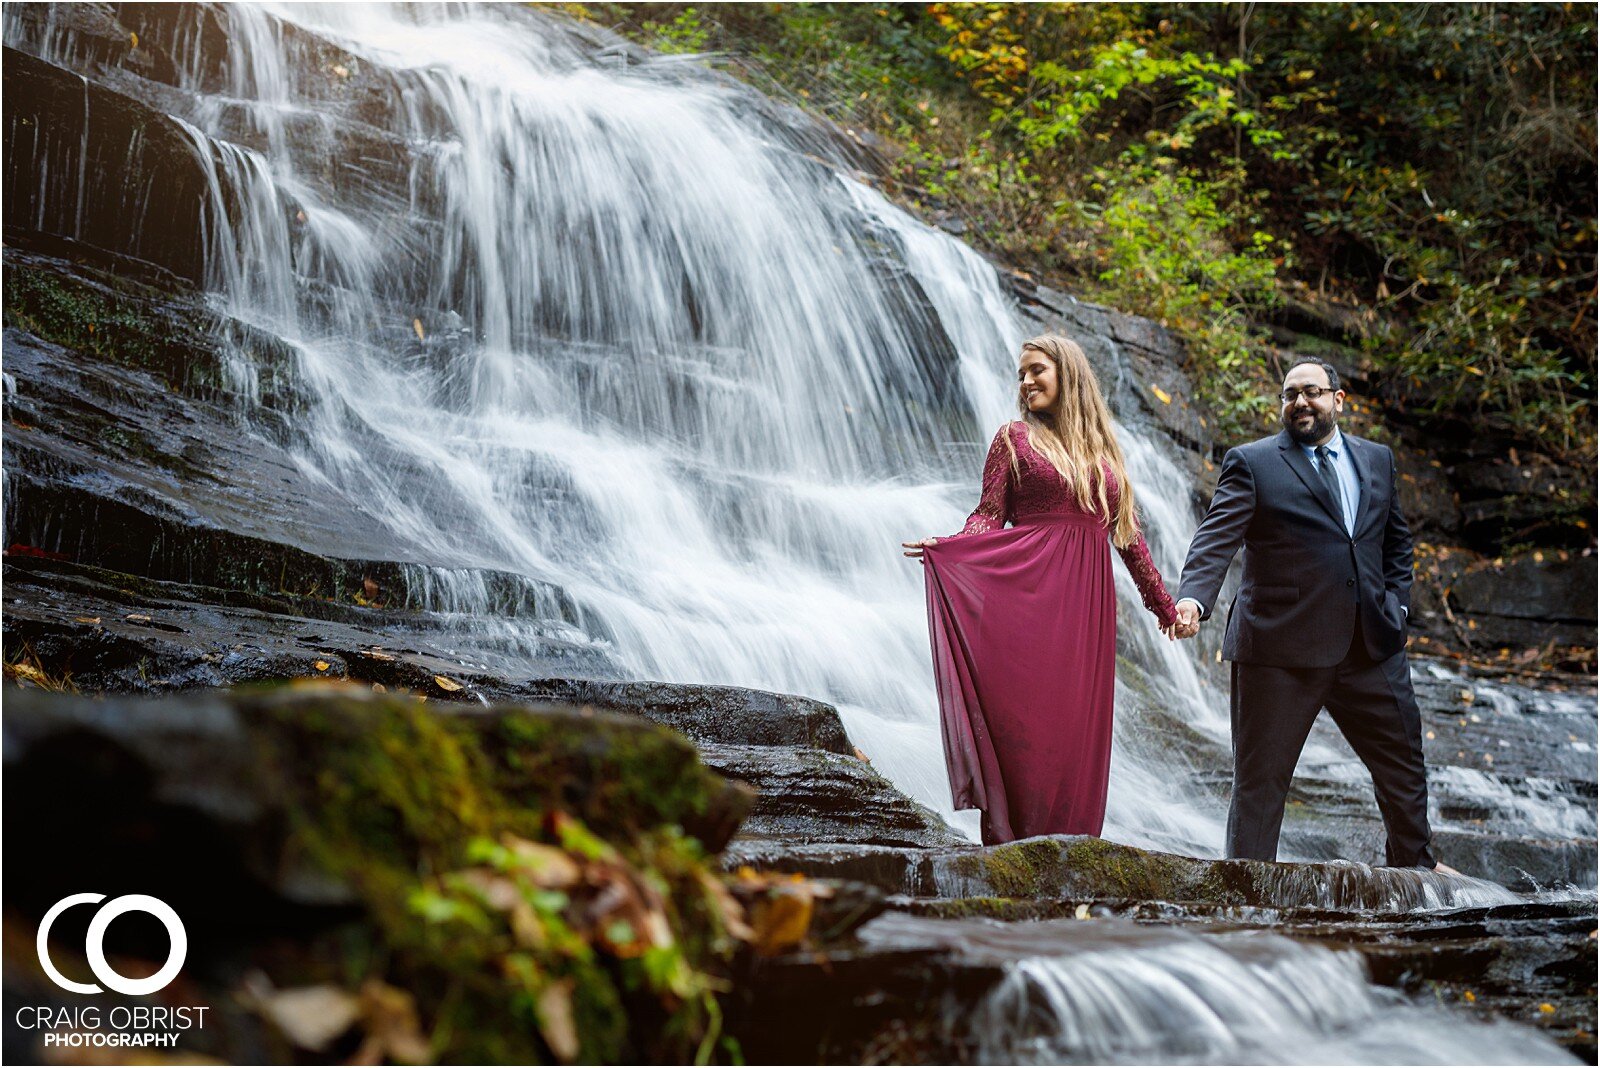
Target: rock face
{"points": [[208, 760], [64, 134], [1530, 599]]}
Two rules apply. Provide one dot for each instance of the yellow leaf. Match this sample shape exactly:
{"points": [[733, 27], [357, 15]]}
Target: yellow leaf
{"points": [[322, 665], [138, 618], [1546, 1008], [782, 920], [416, 324], [546, 866], [28, 672], [133, 40], [1161, 394], [1081, 912], [448, 685], [86, 619]]}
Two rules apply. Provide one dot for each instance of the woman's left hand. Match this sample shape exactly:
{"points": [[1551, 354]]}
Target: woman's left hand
{"points": [[1177, 630], [915, 547]]}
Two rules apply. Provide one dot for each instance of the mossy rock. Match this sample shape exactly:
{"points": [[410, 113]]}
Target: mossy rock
{"points": [[412, 823], [1085, 868]]}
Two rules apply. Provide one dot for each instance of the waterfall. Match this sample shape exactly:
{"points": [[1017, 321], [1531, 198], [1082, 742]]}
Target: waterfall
{"points": [[628, 358]]}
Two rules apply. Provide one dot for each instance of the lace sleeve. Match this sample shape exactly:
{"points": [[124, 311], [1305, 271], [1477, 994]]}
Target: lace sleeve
{"points": [[994, 507], [1148, 579]]}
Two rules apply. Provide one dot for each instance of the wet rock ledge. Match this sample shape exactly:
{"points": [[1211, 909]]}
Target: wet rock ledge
{"points": [[323, 836]]}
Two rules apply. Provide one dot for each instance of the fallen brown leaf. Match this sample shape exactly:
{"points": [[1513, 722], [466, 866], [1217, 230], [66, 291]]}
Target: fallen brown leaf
{"points": [[556, 1024], [728, 907], [780, 920], [389, 1015], [311, 1017], [546, 866]]}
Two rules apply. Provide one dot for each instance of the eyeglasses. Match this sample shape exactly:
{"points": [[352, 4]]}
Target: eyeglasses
{"points": [[1310, 393]]}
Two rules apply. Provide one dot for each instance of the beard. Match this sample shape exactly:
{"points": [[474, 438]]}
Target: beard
{"points": [[1309, 431]]}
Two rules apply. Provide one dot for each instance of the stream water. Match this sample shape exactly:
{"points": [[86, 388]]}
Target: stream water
{"points": [[1113, 992]]}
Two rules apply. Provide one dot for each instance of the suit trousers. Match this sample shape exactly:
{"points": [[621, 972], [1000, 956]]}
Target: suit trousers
{"points": [[1372, 704]]}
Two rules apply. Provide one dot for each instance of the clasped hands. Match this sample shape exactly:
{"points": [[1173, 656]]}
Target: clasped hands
{"points": [[1187, 624]]}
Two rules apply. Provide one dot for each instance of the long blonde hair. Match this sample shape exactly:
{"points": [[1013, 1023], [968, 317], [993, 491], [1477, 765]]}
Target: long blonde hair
{"points": [[1075, 436]]}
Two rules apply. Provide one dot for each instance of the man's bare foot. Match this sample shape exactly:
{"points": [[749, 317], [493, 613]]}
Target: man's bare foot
{"points": [[1444, 869]]}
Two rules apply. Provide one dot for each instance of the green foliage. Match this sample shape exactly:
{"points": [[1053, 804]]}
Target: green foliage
{"points": [[1079, 94], [685, 33], [1162, 240]]}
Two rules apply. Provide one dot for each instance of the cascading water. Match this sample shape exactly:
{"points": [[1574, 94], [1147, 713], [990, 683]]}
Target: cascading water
{"points": [[1108, 991], [624, 357]]}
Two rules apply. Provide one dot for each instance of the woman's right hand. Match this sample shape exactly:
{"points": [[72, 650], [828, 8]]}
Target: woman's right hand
{"points": [[914, 548]]}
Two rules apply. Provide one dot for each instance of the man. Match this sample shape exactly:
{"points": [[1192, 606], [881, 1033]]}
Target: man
{"points": [[1320, 618]]}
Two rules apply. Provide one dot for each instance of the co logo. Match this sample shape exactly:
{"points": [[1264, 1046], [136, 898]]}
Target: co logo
{"points": [[94, 947]]}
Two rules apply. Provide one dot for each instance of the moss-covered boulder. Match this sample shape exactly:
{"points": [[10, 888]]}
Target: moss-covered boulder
{"points": [[526, 883]]}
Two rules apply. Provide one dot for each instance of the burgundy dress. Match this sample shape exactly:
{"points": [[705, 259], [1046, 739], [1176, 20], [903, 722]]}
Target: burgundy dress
{"points": [[1024, 628]]}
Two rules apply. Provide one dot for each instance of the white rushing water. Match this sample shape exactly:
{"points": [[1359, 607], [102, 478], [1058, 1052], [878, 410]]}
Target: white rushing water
{"points": [[1132, 995], [606, 328]]}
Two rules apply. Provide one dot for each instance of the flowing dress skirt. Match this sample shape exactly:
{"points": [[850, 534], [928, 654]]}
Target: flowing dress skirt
{"points": [[1023, 625]]}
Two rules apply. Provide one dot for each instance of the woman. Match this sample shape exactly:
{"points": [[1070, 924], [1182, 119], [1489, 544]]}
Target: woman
{"points": [[1024, 619]]}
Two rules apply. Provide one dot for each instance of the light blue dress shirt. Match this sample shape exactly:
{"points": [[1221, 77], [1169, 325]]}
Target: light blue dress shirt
{"points": [[1345, 469]]}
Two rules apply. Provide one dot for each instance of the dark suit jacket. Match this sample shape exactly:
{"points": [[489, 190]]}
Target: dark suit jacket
{"points": [[1306, 581]]}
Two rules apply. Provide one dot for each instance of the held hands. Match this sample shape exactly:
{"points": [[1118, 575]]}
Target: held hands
{"points": [[915, 547], [1187, 624]]}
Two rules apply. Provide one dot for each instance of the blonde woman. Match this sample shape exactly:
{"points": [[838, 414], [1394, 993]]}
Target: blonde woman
{"points": [[1024, 619]]}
